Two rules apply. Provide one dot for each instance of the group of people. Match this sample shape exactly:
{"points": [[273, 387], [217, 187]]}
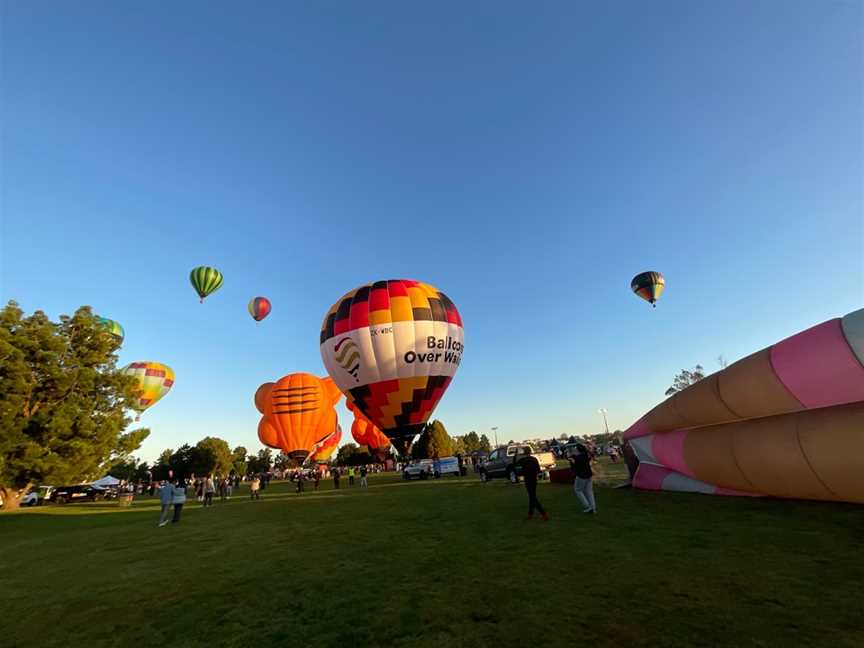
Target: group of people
{"points": [[337, 473], [583, 484], [174, 491]]}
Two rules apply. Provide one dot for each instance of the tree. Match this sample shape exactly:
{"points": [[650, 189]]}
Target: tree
{"points": [[469, 443], [182, 460], [238, 460], [722, 361], [163, 465], [434, 442], [130, 470], [212, 455], [261, 462], [63, 402], [344, 454], [485, 446], [283, 462], [685, 378]]}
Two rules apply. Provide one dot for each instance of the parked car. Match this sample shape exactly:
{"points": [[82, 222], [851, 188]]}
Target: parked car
{"points": [[37, 496], [446, 466], [501, 463], [422, 469], [79, 493]]}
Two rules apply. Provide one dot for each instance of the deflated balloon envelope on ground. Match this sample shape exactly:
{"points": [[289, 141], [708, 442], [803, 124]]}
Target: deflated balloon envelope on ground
{"points": [[205, 280], [298, 413], [154, 381], [786, 421], [393, 347], [649, 286]]}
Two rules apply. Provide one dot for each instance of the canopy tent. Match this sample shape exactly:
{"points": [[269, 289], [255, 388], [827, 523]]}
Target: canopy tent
{"points": [[106, 481]]}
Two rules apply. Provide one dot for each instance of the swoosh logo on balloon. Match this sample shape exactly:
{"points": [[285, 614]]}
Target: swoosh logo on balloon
{"points": [[348, 356]]}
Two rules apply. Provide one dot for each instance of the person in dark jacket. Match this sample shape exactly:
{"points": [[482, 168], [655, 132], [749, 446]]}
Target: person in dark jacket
{"points": [[337, 473], [530, 469], [583, 486]]}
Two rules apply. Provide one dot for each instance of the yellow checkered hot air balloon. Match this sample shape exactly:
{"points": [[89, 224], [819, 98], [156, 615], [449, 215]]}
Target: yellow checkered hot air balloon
{"points": [[154, 381]]}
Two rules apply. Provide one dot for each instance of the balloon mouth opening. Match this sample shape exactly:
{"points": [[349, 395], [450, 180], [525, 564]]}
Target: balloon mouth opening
{"points": [[299, 455]]}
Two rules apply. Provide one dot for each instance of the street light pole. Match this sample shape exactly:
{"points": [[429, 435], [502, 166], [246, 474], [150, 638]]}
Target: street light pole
{"points": [[495, 431], [603, 411]]}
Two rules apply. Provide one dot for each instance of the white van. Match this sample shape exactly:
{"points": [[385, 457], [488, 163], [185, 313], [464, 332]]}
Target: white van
{"points": [[447, 466]]}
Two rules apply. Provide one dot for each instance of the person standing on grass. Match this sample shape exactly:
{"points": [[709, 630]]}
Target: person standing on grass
{"points": [[336, 476], [317, 478], [530, 469], [166, 499], [178, 499], [351, 476], [363, 482], [209, 490], [255, 487], [299, 475], [583, 486]]}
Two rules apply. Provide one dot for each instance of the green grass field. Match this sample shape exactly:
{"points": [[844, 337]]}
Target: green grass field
{"points": [[450, 562]]}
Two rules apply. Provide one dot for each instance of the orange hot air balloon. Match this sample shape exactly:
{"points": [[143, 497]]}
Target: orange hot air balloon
{"points": [[298, 413], [366, 433], [267, 434], [262, 394], [325, 449]]}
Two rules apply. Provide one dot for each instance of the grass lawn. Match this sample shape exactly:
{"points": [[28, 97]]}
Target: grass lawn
{"points": [[450, 562]]}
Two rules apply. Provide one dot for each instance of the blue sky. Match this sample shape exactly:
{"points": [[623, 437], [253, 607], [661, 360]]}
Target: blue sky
{"points": [[525, 159]]}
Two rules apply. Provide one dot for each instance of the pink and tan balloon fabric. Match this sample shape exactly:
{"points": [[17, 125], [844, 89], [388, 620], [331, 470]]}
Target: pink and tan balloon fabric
{"points": [[787, 421]]}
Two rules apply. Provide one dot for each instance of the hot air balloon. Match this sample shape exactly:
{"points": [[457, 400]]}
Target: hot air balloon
{"points": [[365, 432], [154, 381], [262, 394], [649, 286], [205, 280], [326, 448], [393, 347], [112, 327], [259, 308], [298, 413]]}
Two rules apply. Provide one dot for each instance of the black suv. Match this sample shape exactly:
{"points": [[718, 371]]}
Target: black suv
{"points": [[81, 493]]}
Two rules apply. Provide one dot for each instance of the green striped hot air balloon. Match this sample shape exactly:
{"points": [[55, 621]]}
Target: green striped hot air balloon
{"points": [[205, 280], [112, 327]]}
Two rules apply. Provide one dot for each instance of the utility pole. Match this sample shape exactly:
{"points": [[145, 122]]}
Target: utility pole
{"points": [[495, 431], [604, 411]]}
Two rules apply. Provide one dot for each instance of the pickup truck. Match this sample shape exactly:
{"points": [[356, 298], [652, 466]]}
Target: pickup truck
{"points": [[500, 463]]}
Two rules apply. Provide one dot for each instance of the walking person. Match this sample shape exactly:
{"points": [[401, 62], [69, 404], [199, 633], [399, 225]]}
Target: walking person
{"points": [[299, 476], [363, 482], [199, 490], [317, 479], [209, 490], [178, 499], [336, 476], [166, 499], [255, 487], [583, 485], [530, 469], [351, 476]]}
